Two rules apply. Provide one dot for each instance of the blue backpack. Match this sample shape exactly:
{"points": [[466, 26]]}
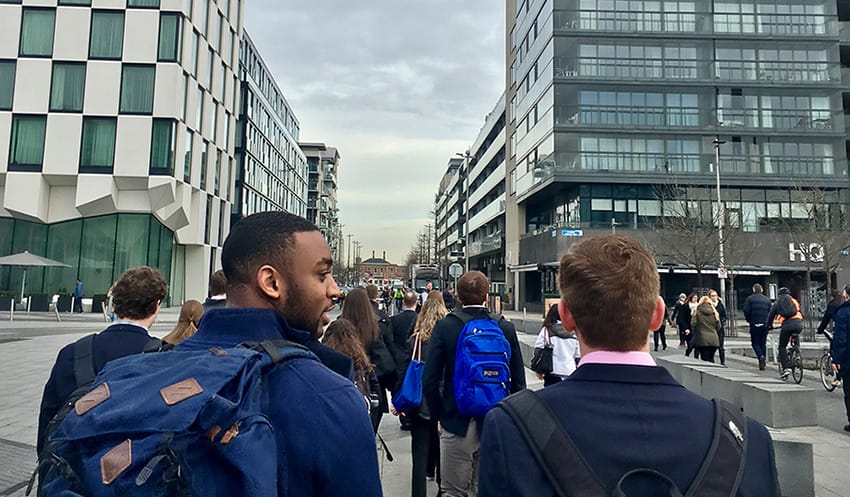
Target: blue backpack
{"points": [[172, 423], [482, 365]]}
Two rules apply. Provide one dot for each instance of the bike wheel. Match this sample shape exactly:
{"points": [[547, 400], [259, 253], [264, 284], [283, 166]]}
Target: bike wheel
{"points": [[827, 374], [796, 361]]}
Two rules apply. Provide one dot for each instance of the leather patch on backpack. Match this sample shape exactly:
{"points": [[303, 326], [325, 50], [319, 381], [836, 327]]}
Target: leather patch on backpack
{"points": [[92, 399], [116, 461], [180, 391]]}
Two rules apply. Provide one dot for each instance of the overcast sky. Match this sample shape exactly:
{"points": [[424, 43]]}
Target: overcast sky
{"points": [[397, 86]]}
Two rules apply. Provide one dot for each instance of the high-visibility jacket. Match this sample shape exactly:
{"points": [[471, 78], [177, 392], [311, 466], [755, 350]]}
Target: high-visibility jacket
{"points": [[797, 315]]}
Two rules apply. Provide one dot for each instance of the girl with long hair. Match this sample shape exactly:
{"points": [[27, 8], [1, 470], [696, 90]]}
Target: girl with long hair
{"points": [[424, 434], [342, 336], [187, 324], [685, 322], [359, 311], [705, 326]]}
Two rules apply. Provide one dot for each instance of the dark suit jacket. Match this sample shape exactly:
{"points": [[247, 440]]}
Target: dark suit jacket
{"points": [[118, 340], [440, 369], [620, 418], [402, 326]]}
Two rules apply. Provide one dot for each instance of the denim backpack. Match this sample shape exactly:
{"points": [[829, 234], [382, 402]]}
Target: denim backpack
{"points": [[174, 423], [482, 365]]}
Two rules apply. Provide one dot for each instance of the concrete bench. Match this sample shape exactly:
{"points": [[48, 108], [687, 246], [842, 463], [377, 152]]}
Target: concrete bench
{"points": [[780, 405], [794, 464]]}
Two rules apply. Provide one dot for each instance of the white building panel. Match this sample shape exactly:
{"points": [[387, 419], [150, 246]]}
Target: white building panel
{"points": [[108, 4], [167, 95], [61, 206], [132, 148], [40, 3], [10, 30], [26, 196], [103, 87], [134, 201], [32, 86], [174, 5], [496, 177], [492, 211], [72, 33], [141, 33], [62, 148], [96, 195]]}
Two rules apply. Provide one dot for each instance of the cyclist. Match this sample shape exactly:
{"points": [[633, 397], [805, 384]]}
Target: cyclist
{"points": [[786, 311], [838, 298], [840, 350]]}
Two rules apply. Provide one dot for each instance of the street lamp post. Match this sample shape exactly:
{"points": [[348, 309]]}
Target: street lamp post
{"points": [[466, 246], [720, 216], [348, 264]]}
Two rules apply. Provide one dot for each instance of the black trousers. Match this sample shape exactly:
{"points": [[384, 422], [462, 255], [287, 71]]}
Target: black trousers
{"points": [[789, 327], [845, 376], [706, 353], [425, 449], [663, 334], [722, 336]]}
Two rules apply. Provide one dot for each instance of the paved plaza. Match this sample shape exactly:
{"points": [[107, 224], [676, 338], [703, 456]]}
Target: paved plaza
{"points": [[28, 347]]}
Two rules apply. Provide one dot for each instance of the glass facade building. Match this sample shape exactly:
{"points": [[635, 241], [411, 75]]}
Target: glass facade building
{"points": [[610, 99]]}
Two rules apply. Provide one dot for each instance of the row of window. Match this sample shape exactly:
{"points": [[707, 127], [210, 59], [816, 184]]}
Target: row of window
{"points": [[97, 146], [68, 84], [142, 4], [251, 65], [106, 36]]}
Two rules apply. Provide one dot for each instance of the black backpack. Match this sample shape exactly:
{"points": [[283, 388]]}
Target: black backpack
{"points": [[785, 307], [570, 476]]}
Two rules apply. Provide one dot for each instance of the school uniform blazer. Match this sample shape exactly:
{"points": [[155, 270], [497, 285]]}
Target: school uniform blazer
{"points": [[620, 417]]}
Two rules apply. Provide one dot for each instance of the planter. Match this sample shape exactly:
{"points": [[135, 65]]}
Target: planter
{"points": [[97, 303], [39, 302], [64, 303]]}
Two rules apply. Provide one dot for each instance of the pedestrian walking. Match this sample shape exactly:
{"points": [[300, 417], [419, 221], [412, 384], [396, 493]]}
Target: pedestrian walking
{"points": [[756, 310], [218, 291], [683, 320], [137, 296], [564, 346], [606, 430], [721, 333], [459, 439], [425, 435], [705, 327], [661, 332], [78, 296], [680, 308], [342, 336], [840, 350], [187, 324]]}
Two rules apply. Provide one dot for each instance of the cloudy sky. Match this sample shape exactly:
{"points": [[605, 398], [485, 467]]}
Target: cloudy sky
{"points": [[397, 86]]}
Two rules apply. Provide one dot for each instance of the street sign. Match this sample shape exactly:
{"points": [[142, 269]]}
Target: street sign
{"points": [[455, 270], [572, 233], [721, 273]]}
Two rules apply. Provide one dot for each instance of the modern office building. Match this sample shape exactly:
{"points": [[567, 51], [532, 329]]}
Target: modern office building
{"points": [[323, 165], [272, 169], [116, 123], [615, 110], [485, 184]]}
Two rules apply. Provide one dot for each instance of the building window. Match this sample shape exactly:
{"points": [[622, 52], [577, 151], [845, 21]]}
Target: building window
{"points": [[204, 156], [205, 11], [199, 114], [74, 2], [97, 151], [162, 147], [67, 86], [187, 158], [169, 37], [143, 3], [26, 148], [107, 34], [7, 84], [37, 28], [195, 53], [214, 119], [137, 84], [216, 179], [210, 66]]}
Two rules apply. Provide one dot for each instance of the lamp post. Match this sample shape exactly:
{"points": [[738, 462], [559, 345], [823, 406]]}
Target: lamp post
{"points": [[348, 264], [720, 216], [466, 245]]}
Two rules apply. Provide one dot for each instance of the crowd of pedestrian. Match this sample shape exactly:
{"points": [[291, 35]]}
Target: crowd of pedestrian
{"points": [[257, 392]]}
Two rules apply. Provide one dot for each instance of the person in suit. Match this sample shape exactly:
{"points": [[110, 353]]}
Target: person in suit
{"points": [[618, 406], [756, 309], [459, 439], [402, 324]]}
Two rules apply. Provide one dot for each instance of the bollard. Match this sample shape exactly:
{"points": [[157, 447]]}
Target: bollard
{"points": [[12, 310], [56, 312]]}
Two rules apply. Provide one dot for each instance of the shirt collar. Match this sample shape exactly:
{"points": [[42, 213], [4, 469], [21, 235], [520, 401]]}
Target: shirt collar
{"points": [[475, 306], [229, 327], [631, 358], [131, 323]]}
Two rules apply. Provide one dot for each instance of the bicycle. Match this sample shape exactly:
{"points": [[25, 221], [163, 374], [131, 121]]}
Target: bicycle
{"points": [[828, 377], [795, 360]]}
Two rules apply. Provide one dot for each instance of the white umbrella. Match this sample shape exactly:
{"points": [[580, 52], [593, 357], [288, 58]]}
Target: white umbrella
{"points": [[27, 260]]}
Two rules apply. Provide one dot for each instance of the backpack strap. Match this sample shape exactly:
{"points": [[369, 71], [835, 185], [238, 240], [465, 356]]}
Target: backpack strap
{"points": [[279, 350], [156, 345], [464, 317], [84, 360], [555, 453], [723, 466]]}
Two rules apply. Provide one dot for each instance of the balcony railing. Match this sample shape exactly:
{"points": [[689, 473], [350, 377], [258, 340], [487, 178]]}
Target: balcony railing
{"points": [[486, 244], [650, 117]]}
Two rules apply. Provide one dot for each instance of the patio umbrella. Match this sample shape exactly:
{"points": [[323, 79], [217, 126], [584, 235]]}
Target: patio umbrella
{"points": [[27, 260]]}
